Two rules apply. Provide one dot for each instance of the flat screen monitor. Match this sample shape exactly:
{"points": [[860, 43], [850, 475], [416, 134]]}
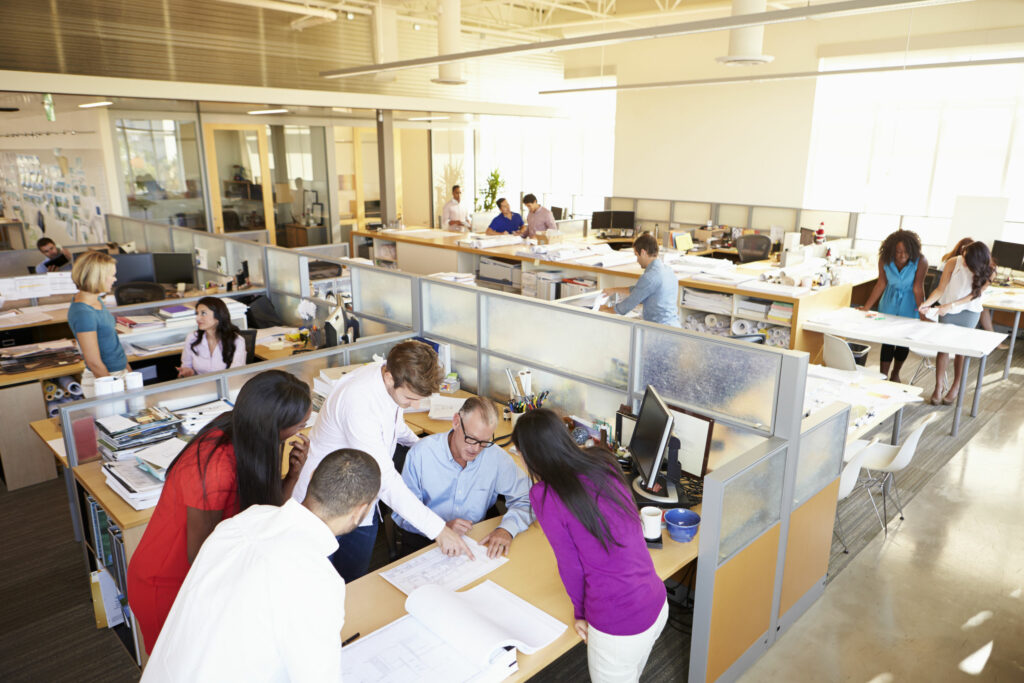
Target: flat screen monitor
{"points": [[1008, 254], [623, 220], [601, 220], [134, 268], [806, 236], [172, 268], [694, 433], [650, 437], [557, 213]]}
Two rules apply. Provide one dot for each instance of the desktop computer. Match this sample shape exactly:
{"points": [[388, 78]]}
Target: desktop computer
{"points": [[647, 446], [134, 268], [1008, 255], [171, 268]]}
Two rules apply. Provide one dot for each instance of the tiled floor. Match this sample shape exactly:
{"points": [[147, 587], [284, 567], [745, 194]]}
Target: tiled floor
{"points": [[941, 598]]}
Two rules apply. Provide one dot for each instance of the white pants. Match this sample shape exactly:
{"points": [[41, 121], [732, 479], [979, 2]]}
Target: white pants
{"points": [[621, 659], [89, 381]]}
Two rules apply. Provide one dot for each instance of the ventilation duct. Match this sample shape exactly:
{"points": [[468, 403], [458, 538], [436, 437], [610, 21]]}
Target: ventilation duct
{"points": [[449, 20], [746, 44]]}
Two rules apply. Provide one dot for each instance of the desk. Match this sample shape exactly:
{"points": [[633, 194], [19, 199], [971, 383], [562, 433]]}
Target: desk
{"points": [[928, 336], [531, 573], [422, 422], [1010, 299]]}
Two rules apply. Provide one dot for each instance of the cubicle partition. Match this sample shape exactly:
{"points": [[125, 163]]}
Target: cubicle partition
{"points": [[16, 262]]}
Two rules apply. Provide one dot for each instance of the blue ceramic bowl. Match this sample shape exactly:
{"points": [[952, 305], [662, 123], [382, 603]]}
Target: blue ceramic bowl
{"points": [[682, 524]]}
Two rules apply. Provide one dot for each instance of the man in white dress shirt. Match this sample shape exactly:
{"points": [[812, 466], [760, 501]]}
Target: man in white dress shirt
{"points": [[262, 602], [453, 215], [365, 411]]}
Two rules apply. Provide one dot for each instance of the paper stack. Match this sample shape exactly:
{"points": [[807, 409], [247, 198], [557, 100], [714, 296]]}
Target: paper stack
{"points": [[461, 278], [121, 436], [138, 488], [157, 458], [195, 418], [487, 241], [138, 323], [780, 312], [753, 308], [176, 311], [324, 383], [710, 302]]}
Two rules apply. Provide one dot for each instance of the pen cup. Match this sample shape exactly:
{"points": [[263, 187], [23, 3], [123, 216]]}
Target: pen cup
{"points": [[515, 418]]}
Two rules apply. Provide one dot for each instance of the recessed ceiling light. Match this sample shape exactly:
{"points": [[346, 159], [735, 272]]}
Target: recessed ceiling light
{"points": [[342, 110], [258, 112], [90, 105], [350, 16], [429, 118], [416, 27]]}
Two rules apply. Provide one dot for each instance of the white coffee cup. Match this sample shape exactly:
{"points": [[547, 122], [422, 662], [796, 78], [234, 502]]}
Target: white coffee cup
{"points": [[650, 518]]}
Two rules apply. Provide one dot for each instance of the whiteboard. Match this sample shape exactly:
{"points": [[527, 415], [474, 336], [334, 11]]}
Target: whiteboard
{"points": [[982, 218]]}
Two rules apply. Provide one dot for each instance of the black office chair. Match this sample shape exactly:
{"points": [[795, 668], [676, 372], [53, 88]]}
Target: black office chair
{"points": [[231, 221], [138, 293], [753, 247], [756, 338], [249, 336]]}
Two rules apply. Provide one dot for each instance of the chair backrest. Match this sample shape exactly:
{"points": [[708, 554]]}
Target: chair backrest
{"points": [[756, 338], [837, 354], [851, 470], [753, 247], [249, 336], [909, 446], [138, 293]]}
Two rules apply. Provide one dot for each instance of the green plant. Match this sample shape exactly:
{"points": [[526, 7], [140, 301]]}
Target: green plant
{"points": [[490, 199]]}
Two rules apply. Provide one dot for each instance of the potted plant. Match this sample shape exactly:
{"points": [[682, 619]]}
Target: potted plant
{"points": [[487, 205]]}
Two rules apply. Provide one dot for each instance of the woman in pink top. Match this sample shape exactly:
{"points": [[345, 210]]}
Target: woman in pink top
{"points": [[215, 345], [592, 524]]}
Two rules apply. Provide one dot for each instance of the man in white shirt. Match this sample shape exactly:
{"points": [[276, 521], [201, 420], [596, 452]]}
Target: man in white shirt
{"points": [[365, 411], [262, 602], [453, 215]]}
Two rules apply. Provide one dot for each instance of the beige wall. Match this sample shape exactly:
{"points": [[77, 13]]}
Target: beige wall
{"points": [[415, 176], [749, 142]]}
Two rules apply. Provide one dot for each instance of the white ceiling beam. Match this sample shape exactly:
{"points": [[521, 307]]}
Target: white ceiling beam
{"points": [[279, 6], [826, 10]]}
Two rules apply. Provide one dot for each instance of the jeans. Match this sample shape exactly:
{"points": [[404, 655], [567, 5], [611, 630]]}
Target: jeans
{"points": [[352, 559]]}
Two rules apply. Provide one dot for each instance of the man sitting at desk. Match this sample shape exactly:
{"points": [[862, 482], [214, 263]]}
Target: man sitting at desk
{"points": [[262, 601], [459, 475], [53, 254], [657, 289]]}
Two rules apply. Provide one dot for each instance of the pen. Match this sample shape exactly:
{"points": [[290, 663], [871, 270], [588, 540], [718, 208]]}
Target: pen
{"points": [[350, 639]]}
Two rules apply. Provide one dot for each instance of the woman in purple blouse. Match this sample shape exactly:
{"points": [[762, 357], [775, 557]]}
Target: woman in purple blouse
{"points": [[592, 524]]}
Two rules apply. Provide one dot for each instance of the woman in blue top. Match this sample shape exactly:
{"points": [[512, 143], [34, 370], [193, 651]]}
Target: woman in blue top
{"points": [[93, 325], [901, 271], [507, 222]]}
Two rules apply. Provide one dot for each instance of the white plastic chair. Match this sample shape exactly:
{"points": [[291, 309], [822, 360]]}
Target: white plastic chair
{"points": [[887, 460], [837, 354], [848, 483], [926, 365]]}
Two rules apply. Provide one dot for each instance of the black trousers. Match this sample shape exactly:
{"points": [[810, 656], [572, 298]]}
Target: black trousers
{"points": [[889, 352]]}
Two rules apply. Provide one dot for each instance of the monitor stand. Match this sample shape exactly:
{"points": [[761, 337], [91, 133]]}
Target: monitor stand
{"points": [[669, 496]]}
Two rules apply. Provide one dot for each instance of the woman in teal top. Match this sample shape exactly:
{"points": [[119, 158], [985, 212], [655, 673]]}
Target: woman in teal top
{"points": [[93, 325], [901, 271]]}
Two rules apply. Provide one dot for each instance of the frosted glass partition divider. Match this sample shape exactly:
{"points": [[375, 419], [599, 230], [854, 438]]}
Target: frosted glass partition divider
{"points": [[764, 217], [287, 272], [158, 237], [213, 250], [694, 213], [722, 378], [822, 443], [135, 231], [653, 210], [385, 295], [734, 215], [183, 241], [115, 228], [449, 311], [551, 336], [330, 251]]}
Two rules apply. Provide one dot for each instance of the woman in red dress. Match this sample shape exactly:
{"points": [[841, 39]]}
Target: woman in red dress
{"points": [[234, 462]]}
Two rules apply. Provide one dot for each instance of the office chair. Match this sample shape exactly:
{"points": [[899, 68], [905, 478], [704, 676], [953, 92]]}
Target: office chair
{"points": [[837, 354], [756, 338], [753, 247], [249, 336], [849, 481], [138, 293], [231, 221]]}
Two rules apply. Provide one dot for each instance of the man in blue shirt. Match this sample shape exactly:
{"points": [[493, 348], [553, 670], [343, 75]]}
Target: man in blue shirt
{"points": [[508, 222], [460, 474], [657, 289], [53, 252]]}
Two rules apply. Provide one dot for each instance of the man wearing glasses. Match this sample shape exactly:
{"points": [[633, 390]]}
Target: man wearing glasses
{"points": [[460, 474]]}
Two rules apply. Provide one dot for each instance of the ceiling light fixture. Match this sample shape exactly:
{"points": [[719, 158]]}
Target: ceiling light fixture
{"points": [[825, 10], [90, 105], [429, 118], [260, 112], [350, 16], [790, 76], [416, 27]]}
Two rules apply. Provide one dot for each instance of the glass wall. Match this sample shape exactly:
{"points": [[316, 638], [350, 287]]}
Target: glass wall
{"points": [[298, 164], [160, 167], [453, 163]]}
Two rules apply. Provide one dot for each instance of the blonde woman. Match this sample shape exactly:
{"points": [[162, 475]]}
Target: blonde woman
{"points": [[92, 324]]}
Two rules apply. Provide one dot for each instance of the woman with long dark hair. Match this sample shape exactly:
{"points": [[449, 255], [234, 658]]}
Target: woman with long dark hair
{"points": [[900, 285], [216, 344], [986, 316], [588, 515], [233, 463], [963, 280]]}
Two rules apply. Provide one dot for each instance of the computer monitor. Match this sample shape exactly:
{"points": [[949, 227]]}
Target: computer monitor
{"points": [[601, 220], [134, 268], [647, 448], [172, 268], [806, 236], [694, 433], [1008, 255], [557, 212], [623, 220]]}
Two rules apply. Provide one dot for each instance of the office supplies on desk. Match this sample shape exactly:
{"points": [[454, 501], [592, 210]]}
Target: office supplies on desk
{"points": [[436, 568], [444, 407], [452, 637]]}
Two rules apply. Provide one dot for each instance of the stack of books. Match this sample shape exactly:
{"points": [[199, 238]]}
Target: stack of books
{"points": [[14, 359], [157, 458], [122, 437], [461, 278], [176, 312], [709, 302], [780, 312], [137, 487], [138, 323], [753, 308]]}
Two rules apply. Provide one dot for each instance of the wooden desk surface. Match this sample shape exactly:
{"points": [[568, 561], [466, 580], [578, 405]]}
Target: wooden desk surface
{"points": [[48, 430], [886, 411], [264, 352], [531, 573], [7, 380], [422, 421]]}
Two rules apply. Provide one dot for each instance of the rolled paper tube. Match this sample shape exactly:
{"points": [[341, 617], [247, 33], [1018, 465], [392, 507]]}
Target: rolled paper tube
{"points": [[711, 320], [49, 387], [70, 385], [58, 393], [699, 327], [48, 396], [740, 326]]}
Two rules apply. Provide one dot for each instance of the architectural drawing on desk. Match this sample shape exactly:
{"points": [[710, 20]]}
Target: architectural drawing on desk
{"points": [[435, 568]]}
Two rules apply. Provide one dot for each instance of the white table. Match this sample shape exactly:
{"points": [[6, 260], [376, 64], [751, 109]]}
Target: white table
{"points": [[929, 336], [1009, 299]]}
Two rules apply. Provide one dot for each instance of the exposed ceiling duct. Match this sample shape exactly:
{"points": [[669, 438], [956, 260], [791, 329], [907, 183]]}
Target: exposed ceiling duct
{"points": [[449, 20], [746, 44]]}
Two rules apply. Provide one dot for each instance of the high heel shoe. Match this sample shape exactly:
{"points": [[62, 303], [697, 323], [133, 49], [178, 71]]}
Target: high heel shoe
{"points": [[947, 401]]}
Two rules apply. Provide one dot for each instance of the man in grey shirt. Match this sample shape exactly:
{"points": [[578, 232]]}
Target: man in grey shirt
{"points": [[540, 218], [657, 289]]}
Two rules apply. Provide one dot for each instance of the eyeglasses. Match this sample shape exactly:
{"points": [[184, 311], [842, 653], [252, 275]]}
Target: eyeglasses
{"points": [[474, 442]]}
